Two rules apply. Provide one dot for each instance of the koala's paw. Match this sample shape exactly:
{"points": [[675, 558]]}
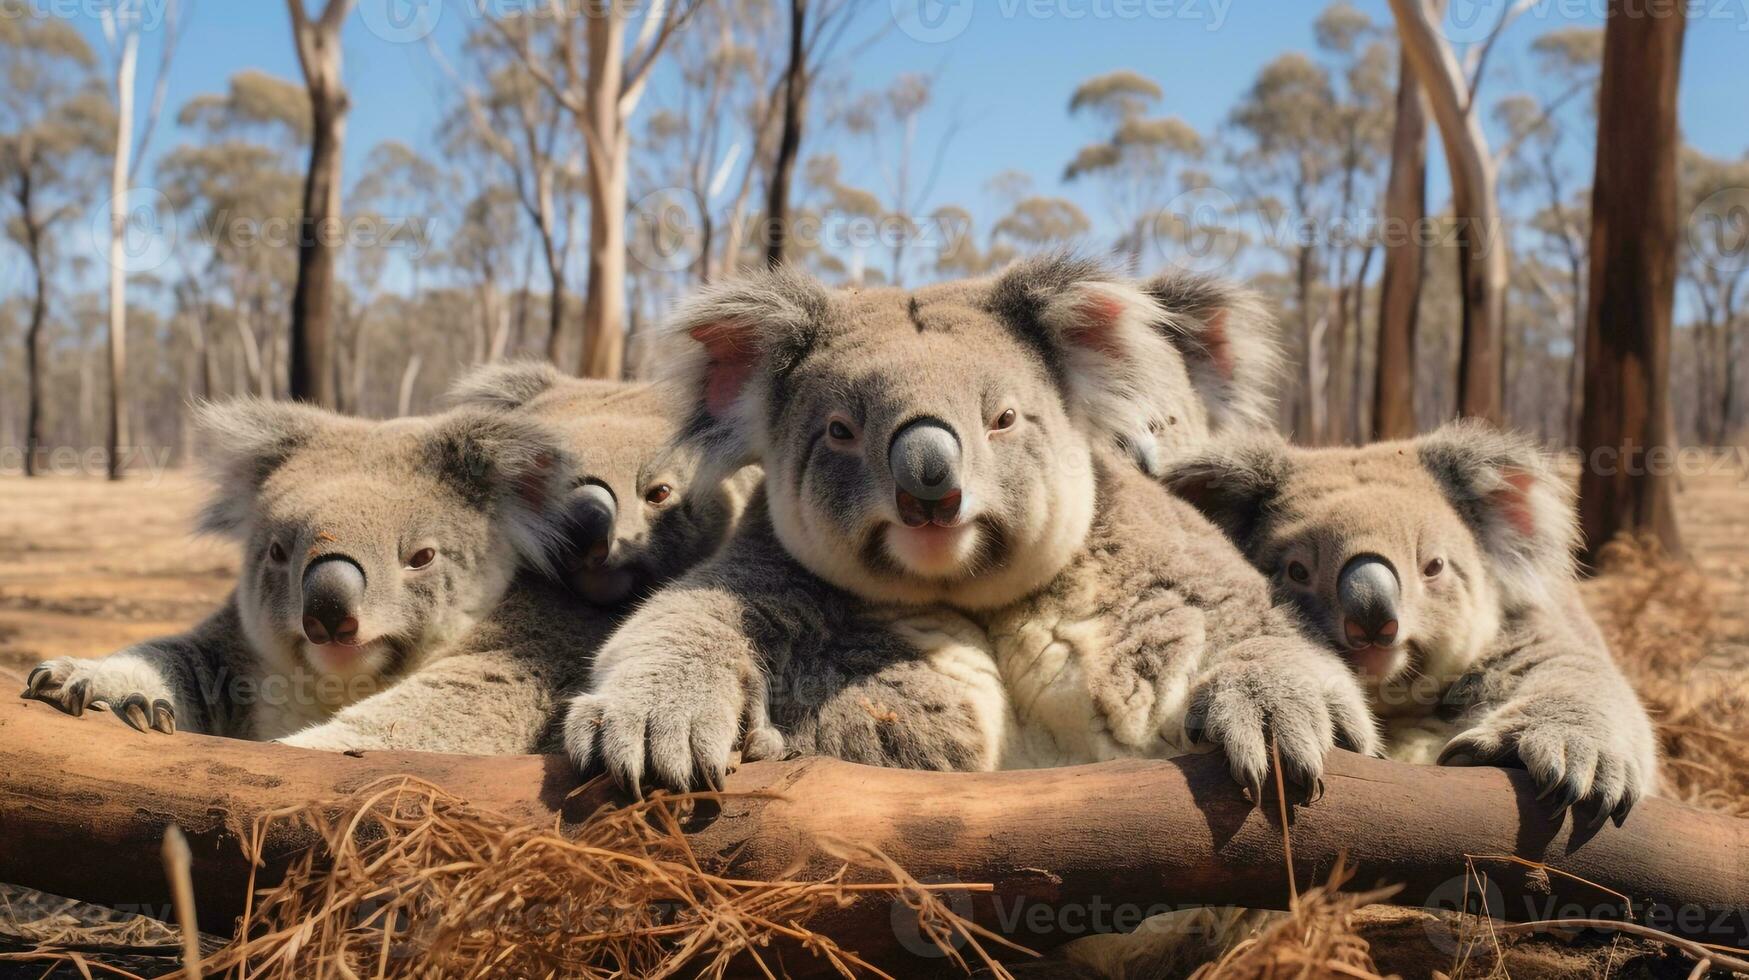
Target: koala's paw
{"points": [[1298, 702], [73, 684], [652, 726], [1595, 764]]}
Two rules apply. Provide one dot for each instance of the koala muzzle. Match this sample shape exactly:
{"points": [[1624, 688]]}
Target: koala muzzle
{"points": [[1367, 592], [925, 460], [333, 596], [593, 513]]}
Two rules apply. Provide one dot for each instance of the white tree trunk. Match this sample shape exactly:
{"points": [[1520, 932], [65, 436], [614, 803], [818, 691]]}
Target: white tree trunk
{"points": [[118, 248]]}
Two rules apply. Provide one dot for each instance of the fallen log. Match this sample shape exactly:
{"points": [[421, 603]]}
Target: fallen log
{"points": [[84, 804]]}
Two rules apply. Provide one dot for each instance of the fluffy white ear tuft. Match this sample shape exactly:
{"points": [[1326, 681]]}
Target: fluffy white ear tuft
{"points": [[1519, 508], [1112, 357], [1230, 345], [242, 442], [722, 347], [512, 467]]}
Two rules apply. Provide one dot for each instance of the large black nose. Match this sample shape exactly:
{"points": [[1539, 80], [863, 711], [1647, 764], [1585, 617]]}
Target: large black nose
{"points": [[333, 596], [593, 512], [1368, 593], [925, 459]]}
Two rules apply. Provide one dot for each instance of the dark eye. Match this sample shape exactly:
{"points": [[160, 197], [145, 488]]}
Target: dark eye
{"points": [[658, 493], [422, 557], [1298, 572], [1434, 567], [275, 552], [840, 431], [1004, 421]]}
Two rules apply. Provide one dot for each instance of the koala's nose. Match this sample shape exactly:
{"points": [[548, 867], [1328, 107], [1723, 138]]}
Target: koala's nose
{"points": [[592, 517], [924, 457], [1367, 591], [333, 594]]}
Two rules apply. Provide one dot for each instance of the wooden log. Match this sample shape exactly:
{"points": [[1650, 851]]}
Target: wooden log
{"points": [[84, 804]]}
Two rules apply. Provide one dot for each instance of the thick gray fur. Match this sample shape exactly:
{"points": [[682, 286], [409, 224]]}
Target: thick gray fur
{"points": [[294, 484], [497, 691], [1497, 658], [1087, 614]]}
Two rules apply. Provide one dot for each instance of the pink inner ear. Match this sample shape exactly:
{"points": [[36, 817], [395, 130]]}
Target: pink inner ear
{"points": [[1218, 344], [1096, 319], [1513, 502], [730, 354], [531, 486]]}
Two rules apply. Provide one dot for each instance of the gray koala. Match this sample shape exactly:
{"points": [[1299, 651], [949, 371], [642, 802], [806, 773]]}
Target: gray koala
{"points": [[368, 550], [637, 517], [948, 566], [1442, 569]]}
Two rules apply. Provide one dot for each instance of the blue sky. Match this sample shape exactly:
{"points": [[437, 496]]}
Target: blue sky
{"points": [[1004, 75]]}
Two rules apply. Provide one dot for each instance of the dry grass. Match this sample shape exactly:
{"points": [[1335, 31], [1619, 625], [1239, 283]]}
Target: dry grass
{"points": [[1660, 618], [412, 881]]}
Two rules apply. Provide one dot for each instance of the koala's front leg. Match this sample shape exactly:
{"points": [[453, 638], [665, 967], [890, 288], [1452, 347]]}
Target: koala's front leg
{"points": [[674, 692], [157, 686], [1284, 688], [1566, 714]]}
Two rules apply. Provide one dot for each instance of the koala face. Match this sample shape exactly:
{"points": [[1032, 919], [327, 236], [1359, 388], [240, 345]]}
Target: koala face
{"points": [[928, 445], [638, 513], [368, 545], [1404, 556]]}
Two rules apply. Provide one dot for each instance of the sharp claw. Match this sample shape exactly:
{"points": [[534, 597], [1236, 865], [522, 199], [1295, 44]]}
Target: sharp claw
{"points": [[164, 716], [1256, 787], [1620, 814], [1315, 792], [76, 698], [34, 681]]}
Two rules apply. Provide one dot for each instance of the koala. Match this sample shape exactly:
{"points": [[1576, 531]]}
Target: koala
{"points": [[635, 517], [1441, 570], [949, 564], [368, 550]]}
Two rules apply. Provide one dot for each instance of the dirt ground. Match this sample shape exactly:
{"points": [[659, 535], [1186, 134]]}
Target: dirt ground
{"points": [[88, 566]]}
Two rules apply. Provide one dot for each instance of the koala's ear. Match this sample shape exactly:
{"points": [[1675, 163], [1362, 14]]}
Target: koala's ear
{"points": [[511, 467], [241, 443], [506, 385], [725, 344], [1229, 342], [1234, 482], [1509, 493], [1099, 334]]}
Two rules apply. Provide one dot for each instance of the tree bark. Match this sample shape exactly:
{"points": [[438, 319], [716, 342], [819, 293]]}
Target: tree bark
{"points": [[312, 319], [1393, 414], [84, 804], [604, 296], [39, 315], [1624, 486], [789, 141], [1482, 271], [119, 179]]}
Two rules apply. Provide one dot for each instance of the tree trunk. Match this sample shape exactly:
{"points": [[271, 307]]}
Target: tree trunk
{"points": [[1393, 413], [312, 314], [121, 167], [409, 377], [606, 143], [86, 805], [789, 142], [555, 297], [1482, 270], [1624, 485], [39, 315], [1308, 419]]}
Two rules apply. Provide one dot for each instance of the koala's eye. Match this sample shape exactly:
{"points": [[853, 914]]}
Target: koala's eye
{"points": [[1004, 421], [1433, 568], [658, 493], [275, 552], [840, 431], [422, 557], [1298, 572]]}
